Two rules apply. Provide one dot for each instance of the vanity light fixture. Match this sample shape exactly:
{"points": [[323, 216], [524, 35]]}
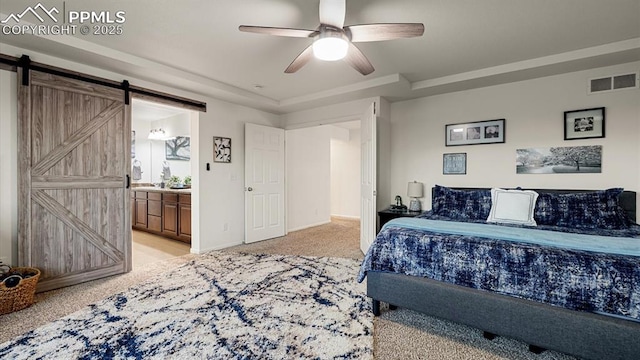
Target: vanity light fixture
{"points": [[157, 134]]}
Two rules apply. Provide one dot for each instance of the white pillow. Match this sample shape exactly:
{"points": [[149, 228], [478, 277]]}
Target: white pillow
{"points": [[512, 206]]}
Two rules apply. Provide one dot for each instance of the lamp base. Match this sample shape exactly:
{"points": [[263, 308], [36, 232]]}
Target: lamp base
{"points": [[415, 205]]}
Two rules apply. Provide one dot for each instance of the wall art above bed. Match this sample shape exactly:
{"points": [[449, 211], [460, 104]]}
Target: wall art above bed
{"points": [[559, 160], [584, 124], [454, 164], [479, 132]]}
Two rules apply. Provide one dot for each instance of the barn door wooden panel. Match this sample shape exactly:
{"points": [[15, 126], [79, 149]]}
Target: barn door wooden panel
{"points": [[74, 160]]}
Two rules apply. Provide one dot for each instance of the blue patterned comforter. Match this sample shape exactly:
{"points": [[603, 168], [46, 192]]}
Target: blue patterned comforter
{"points": [[587, 271]]}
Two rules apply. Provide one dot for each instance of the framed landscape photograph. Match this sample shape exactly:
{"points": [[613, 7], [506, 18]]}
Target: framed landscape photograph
{"points": [[559, 160], [473, 133], [584, 124], [454, 164], [221, 149]]}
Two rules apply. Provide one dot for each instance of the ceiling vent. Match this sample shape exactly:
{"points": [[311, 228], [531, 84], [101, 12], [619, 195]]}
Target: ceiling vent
{"points": [[613, 83]]}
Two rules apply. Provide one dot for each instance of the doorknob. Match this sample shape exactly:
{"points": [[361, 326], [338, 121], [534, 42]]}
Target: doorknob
{"points": [[249, 188]]}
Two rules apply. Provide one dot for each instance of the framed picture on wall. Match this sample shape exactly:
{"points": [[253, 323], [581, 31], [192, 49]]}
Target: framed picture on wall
{"points": [[454, 164], [221, 149], [473, 133], [178, 148], [584, 124]]}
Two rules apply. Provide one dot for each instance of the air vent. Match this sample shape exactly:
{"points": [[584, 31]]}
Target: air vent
{"points": [[613, 83]]}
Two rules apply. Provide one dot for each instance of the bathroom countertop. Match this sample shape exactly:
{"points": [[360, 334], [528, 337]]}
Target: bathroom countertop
{"points": [[157, 189]]}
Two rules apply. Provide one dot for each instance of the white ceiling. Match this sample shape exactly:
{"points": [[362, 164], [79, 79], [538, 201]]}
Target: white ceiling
{"points": [[150, 111], [195, 45]]}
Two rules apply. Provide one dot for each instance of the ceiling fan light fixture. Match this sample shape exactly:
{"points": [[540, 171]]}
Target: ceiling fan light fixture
{"points": [[330, 48]]}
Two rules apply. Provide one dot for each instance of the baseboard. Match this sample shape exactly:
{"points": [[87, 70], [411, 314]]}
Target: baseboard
{"points": [[309, 226], [346, 217], [217, 247]]}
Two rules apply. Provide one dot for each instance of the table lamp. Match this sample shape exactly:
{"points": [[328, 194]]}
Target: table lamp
{"points": [[414, 191]]}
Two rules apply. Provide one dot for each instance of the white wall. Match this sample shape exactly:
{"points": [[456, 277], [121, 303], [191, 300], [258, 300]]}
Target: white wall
{"points": [[152, 153], [143, 149], [533, 111], [308, 180], [8, 167], [345, 175], [222, 189], [330, 114], [218, 194]]}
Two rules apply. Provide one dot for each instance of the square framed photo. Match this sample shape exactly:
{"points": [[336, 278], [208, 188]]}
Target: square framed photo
{"points": [[454, 164], [473, 133], [584, 124], [221, 149]]}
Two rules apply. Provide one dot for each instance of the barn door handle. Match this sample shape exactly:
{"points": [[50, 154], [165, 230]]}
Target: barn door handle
{"points": [[128, 181]]}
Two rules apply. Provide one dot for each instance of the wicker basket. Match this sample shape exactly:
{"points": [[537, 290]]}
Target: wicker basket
{"points": [[21, 296]]}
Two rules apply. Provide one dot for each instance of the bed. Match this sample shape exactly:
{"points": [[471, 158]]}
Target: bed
{"points": [[577, 315]]}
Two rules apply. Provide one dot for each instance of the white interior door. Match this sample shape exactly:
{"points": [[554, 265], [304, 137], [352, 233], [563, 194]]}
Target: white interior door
{"points": [[264, 182], [368, 178]]}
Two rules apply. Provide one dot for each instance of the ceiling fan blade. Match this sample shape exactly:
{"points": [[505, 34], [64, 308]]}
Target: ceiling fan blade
{"points": [[305, 56], [358, 61], [332, 12], [277, 31], [380, 32]]}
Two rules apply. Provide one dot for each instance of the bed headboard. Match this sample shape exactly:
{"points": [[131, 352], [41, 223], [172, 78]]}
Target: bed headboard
{"points": [[627, 199]]}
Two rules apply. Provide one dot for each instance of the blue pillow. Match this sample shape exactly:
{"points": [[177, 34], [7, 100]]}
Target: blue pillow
{"points": [[589, 210], [460, 204]]}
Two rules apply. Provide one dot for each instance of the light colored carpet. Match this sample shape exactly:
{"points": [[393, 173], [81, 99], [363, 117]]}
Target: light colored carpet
{"points": [[222, 305], [399, 334], [52, 305], [340, 238]]}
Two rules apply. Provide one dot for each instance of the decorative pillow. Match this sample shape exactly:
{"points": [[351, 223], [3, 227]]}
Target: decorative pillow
{"points": [[589, 210], [512, 206], [547, 210], [460, 204]]}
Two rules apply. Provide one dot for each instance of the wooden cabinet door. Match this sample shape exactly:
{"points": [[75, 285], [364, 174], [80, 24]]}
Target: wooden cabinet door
{"points": [[185, 220], [133, 210], [141, 213], [170, 218]]}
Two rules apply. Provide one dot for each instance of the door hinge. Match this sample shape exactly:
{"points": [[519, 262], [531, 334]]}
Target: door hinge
{"points": [[375, 193]]}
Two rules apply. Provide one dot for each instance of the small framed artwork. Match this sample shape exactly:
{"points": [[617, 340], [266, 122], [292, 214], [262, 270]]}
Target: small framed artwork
{"points": [[221, 149], [584, 124], [178, 148], [454, 164], [473, 133]]}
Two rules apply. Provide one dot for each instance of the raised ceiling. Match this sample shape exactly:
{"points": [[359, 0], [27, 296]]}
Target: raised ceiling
{"points": [[195, 45]]}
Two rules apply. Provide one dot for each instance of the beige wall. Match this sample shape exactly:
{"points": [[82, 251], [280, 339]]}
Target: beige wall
{"points": [[308, 179], [345, 175], [534, 113]]}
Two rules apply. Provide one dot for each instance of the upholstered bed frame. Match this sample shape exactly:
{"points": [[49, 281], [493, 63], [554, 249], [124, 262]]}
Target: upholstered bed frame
{"points": [[542, 326]]}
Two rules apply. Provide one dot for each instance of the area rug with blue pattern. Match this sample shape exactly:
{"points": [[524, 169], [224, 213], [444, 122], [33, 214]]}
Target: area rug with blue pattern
{"points": [[221, 305]]}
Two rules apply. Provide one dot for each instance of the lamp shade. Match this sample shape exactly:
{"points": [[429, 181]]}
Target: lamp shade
{"points": [[414, 189]]}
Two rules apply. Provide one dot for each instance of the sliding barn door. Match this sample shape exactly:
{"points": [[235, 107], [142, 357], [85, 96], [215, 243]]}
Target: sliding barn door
{"points": [[73, 158]]}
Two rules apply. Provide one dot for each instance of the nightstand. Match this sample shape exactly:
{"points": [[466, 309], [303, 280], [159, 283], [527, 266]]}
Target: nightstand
{"points": [[388, 214]]}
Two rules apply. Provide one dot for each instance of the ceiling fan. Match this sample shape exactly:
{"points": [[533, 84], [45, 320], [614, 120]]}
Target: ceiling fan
{"points": [[334, 41]]}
